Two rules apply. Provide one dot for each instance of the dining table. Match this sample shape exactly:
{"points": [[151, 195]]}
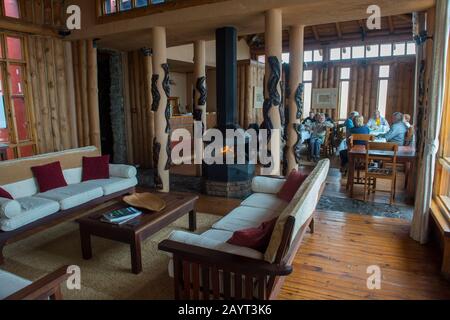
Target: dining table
{"points": [[406, 155]]}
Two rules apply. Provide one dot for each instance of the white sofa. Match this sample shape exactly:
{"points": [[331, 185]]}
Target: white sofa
{"points": [[29, 205], [263, 205]]}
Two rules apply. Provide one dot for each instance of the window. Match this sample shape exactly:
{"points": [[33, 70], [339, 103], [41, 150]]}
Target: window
{"points": [[343, 92], [285, 57], [335, 54], [411, 48], [383, 89], [399, 49], [308, 57], [14, 116], [318, 55], [358, 52], [11, 8], [307, 99], [372, 51], [386, 50], [262, 59], [113, 6], [346, 53]]}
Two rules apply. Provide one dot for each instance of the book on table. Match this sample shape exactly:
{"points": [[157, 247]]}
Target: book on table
{"points": [[121, 216]]}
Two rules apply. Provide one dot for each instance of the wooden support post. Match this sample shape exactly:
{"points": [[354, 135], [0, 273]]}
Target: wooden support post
{"points": [[296, 38], [82, 56], [148, 101], [94, 117], [273, 102], [200, 93], [71, 104], [161, 93]]}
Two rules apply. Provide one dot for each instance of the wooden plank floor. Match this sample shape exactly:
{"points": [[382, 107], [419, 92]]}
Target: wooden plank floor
{"points": [[332, 263]]}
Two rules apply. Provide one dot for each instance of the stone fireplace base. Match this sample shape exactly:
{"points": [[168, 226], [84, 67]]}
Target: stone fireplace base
{"points": [[235, 189]]}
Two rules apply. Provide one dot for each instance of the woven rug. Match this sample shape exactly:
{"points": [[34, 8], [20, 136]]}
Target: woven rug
{"points": [[107, 276]]}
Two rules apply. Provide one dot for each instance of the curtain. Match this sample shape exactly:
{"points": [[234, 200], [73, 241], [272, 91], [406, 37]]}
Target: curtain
{"points": [[419, 228]]}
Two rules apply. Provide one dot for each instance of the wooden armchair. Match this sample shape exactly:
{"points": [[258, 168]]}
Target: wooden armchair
{"points": [[46, 288], [385, 153], [359, 165], [327, 148]]}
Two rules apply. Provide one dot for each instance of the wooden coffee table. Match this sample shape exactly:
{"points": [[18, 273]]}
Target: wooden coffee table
{"points": [[139, 229]]}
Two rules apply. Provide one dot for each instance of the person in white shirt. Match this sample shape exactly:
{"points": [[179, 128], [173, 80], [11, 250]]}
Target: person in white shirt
{"points": [[378, 123], [407, 120]]}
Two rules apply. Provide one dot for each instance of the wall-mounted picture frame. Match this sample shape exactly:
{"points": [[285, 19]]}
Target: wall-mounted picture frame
{"points": [[258, 97], [325, 98]]}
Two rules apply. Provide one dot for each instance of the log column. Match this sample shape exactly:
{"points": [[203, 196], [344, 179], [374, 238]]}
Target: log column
{"points": [[272, 103], [161, 109], [92, 84], [200, 93], [150, 116], [295, 107]]}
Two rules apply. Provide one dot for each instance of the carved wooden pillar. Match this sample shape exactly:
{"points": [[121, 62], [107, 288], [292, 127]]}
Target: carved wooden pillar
{"points": [[295, 92], [200, 92], [272, 103], [161, 109], [148, 100]]}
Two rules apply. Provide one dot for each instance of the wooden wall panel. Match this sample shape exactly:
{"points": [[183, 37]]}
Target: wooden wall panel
{"points": [[43, 12]]}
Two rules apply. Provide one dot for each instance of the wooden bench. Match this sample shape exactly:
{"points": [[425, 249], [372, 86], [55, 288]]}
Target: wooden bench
{"points": [[440, 228]]}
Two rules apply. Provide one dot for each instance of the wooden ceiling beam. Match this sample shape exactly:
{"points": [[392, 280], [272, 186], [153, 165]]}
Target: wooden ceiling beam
{"points": [[21, 26], [391, 25], [338, 30]]}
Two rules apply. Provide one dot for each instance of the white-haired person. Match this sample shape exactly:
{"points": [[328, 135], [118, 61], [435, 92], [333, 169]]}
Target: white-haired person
{"points": [[378, 123], [318, 133], [398, 130]]}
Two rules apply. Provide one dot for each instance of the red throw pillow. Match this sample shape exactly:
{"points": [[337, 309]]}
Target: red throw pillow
{"points": [[49, 176], [290, 187], [95, 168], [5, 194], [254, 238]]}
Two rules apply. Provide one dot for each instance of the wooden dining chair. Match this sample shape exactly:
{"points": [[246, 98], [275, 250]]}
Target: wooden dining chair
{"points": [[359, 165], [327, 146], [376, 153]]}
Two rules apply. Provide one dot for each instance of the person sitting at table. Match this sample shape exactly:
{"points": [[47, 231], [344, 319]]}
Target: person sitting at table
{"points": [[310, 119], [348, 124], [398, 130], [359, 128], [407, 120], [318, 133], [378, 122]]}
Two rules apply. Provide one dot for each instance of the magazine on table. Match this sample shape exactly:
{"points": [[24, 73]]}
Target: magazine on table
{"points": [[121, 216]]}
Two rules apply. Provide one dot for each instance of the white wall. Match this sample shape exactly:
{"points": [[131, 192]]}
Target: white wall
{"points": [[178, 89]]}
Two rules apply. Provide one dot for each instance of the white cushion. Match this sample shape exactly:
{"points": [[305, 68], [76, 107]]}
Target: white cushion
{"points": [[245, 217], [112, 185], [22, 189], [265, 201], [208, 243], [9, 208], [73, 195], [10, 283], [32, 209], [72, 176], [122, 171], [267, 185], [218, 235]]}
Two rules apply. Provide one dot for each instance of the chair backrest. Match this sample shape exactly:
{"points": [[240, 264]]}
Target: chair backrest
{"points": [[386, 152], [360, 137]]}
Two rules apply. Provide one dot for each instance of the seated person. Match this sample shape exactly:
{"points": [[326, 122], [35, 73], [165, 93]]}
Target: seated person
{"points": [[349, 122], [398, 131], [407, 120], [359, 128], [328, 118], [318, 133], [310, 119], [378, 122]]}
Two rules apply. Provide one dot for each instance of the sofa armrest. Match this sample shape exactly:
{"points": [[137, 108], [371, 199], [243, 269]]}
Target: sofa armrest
{"points": [[47, 287], [267, 184], [9, 208], [231, 262], [122, 171]]}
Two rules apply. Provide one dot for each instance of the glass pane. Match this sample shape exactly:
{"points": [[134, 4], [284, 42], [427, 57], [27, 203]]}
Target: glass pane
{"points": [[384, 71], [318, 56], [11, 8], [343, 103], [262, 59], [125, 5], [285, 57], [158, 1], [4, 132], [110, 6], [308, 56], [18, 100], [399, 49], [411, 48], [372, 51], [346, 53], [386, 50], [358, 52], [345, 73], [141, 3], [307, 98], [382, 96], [335, 54], [14, 48], [307, 75]]}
